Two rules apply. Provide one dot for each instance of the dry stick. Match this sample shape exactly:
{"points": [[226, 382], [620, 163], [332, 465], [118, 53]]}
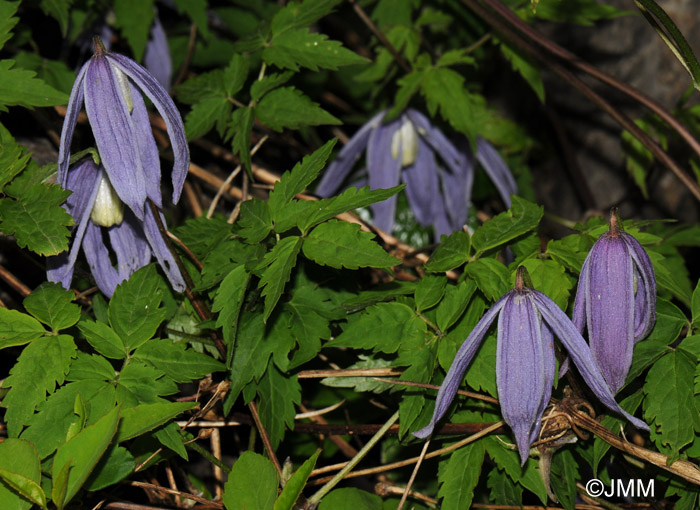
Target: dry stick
{"points": [[173, 484], [407, 462], [384, 489], [333, 481], [192, 199], [348, 372], [413, 476], [14, 282], [265, 438], [348, 450], [476, 396], [621, 118], [215, 441], [184, 495], [130, 506], [186, 249]]}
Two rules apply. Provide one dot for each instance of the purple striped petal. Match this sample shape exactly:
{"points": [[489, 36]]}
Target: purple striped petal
{"points": [[165, 106], [156, 58], [456, 192], [383, 171], [455, 374], [453, 157], [497, 170], [581, 355], [129, 245], [550, 366], [161, 251], [148, 151], [645, 298], [114, 134], [339, 169], [97, 254], [442, 224], [422, 187], [75, 102]]}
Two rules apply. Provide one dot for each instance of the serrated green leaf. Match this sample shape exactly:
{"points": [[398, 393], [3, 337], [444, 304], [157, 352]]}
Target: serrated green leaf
{"points": [[382, 327], [454, 303], [522, 217], [551, 279], [134, 312], [504, 491], [202, 234], [509, 461], [288, 107], [564, 474], [20, 458], [90, 366], [669, 402], [12, 155], [582, 12], [83, 452], [259, 88], [196, 10], [294, 486], [524, 66], [570, 251], [339, 244], [430, 291], [7, 20], [204, 115], [301, 14], [134, 19], [42, 365], [17, 328], [20, 87], [452, 252], [306, 326], [695, 305], [59, 10], [252, 483], [142, 418], [278, 265], [103, 339], [242, 127], [670, 321], [177, 362], [141, 383], [459, 475], [361, 384], [36, 218], [255, 220], [645, 353], [54, 72], [114, 466], [203, 86], [235, 74], [349, 498], [300, 48], [169, 436], [228, 302], [669, 278], [491, 276], [53, 305]]}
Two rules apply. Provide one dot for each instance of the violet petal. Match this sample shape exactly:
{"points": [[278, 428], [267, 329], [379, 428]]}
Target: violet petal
{"points": [[161, 251], [422, 187], [492, 162], [156, 58], [75, 102], [150, 160], [97, 254], [383, 171], [646, 287]]}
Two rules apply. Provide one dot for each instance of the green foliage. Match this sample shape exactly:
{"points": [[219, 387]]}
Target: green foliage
{"points": [[277, 267], [522, 217], [21, 472], [452, 252], [252, 483], [288, 107], [459, 475], [134, 19], [19, 87], [350, 499]]}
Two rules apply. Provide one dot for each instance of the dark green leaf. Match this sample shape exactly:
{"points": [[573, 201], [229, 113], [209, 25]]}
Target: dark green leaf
{"points": [[255, 221], [301, 14], [235, 74], [287, 107], [7, 20], [526, 68], [115, 465], [52, 305], [454, 303], [564, 475], [670, 278], [504, 491], [17, 328], [169, 436], [339, 244], [178, 362], [19, 87], [570, 251], [491, 276], [695, 304], [196, 10], [350, 499], [294, 486], [612, 423], [252, 483], [670, 320], [278, 264], [459, 475], [141, 383], [204, 115], [522, 217], [59, 10], [90, 366], [259, 88], [242, 125], [134, 19], [452, 252], [228, 302], [508, 460], [18, 457], [361, 384], [12, 155], [204, 86], [645, 353], [103, 339], [551, 279], [142, 418], [430, 291]]}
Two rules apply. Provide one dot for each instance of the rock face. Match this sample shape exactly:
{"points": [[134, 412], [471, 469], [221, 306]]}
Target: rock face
{"points": [[629, 49]]}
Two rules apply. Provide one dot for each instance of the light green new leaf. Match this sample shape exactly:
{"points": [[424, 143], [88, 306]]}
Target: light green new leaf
{"points": [[17, 328], [7, 20], [134, 19], [452, 252], [551, 279], [294, 486], [228, 302], [176, 361], [36, 218], [252, 484], [522, 217], [103, 339], [288, 107], [295, 48], [459, 475], [83, 452], [142, 418], [24, 486], [42, 365], [19, 87], [53, 305], [278, 264], [340, 244], [19, 458], [134, 312], [255, 222]]}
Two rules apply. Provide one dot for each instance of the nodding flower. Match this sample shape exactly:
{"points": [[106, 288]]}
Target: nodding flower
{"points": [[616, 301], [525, 363], [409, 149]]}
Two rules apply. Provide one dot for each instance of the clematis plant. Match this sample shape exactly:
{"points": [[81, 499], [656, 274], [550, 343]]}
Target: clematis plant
{"points": [[525, 363], [97, 210], [616, 301], [408, 149]]}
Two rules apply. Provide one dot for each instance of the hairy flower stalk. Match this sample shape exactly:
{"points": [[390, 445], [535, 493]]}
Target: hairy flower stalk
{"points": [[527, 323], [408, 149], [615, 301]]}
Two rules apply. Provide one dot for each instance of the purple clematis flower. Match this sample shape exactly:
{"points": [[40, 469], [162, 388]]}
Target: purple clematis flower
{"points": [[407, 149], [525, 365], [110, 85], [95, 206], [616, 300]]}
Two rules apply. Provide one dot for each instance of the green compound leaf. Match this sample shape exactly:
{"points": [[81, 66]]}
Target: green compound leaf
{"points": [[59, 10], [340, 244], [252, 483], [278, 265], [504, 491], [115, 465], [459, 475], [142, 418], [491, 276], [509, 461], [205, 114], [53, 305], [454, 303], [295, 48], [522, 217], [7, 20], [176, 361], [42, 365], [551, 279], [196, 10], [452, 252], [134, 19], [242, 127], [103, 339], [430, 291], [669, 403], [351, 499], [255, 220], [565, 474], [294, 486], [288, 107], [228, 302], [269, 82], [37, 219], [19, 458], [134, 312], [17, 328], [19, 87], [12, 155], [301, 14]]}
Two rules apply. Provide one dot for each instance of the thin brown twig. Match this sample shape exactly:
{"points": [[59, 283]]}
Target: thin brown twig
{"points": [[192, 199], [186, 249], [184, 495], [265, 438], [14, 282], [384, 489], [406, 491], [191, 43], [477, 396]]}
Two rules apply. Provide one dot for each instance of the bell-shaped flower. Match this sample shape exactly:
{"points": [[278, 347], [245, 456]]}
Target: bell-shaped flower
{"points": [[408, 149], [525, 364], [104, 228], [111, 85], [615, 301]]}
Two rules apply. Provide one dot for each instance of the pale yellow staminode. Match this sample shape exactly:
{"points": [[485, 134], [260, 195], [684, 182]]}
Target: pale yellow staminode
{"points": [[405, 139], [107, 210]]}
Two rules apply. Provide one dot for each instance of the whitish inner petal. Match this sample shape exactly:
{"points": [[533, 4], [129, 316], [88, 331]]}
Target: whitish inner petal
{"points": [[107, 210], [405, 142], [124, 87]]}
